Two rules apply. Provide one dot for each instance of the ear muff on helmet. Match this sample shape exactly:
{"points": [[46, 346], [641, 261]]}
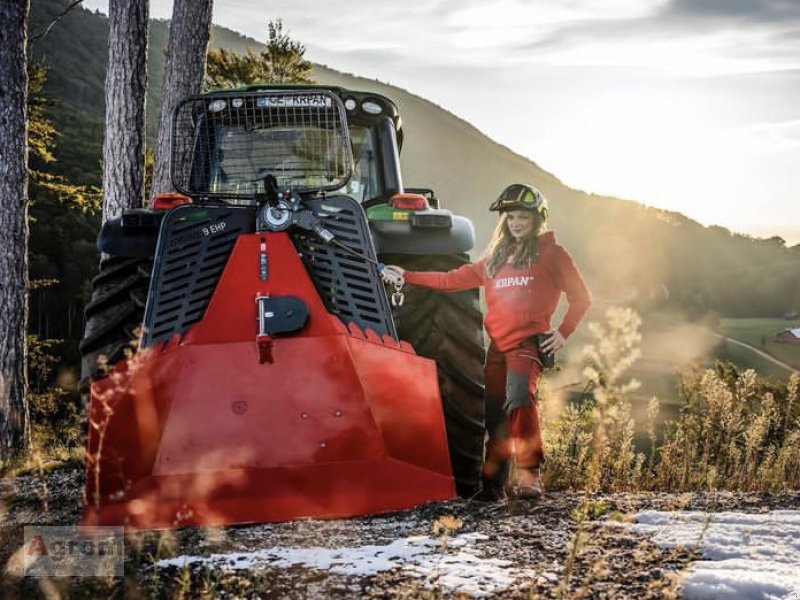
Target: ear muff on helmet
{"points": [[520, 196]]}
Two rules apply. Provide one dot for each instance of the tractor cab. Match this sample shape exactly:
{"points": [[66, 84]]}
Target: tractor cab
{"points": [[346, 142]]}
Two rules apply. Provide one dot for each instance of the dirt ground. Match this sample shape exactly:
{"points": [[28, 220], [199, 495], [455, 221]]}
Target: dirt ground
{"points": [[566, 546]]}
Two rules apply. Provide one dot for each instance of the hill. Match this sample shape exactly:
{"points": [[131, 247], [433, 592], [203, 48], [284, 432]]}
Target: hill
{"points": [[628, 249], [630, 252]]}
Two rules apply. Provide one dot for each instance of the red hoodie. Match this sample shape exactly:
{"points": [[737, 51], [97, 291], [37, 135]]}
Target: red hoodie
{"points": [[520, 302]]}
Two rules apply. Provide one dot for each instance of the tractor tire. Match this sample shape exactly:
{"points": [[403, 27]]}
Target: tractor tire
{"points": [[448, 328], [114, 314]]}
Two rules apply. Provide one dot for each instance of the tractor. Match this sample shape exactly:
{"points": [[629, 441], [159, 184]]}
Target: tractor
{"points": [[244, 360]]}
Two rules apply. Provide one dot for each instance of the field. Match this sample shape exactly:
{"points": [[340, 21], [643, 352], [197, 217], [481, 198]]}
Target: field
{"points": [[754, 331], [629, 509], [747, 359]]}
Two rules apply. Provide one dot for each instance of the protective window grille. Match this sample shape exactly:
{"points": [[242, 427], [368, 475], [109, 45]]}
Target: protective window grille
{"points": [[226, 145]]}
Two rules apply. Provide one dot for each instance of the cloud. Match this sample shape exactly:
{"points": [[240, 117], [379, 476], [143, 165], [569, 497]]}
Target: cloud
{"points": [[739, 10], [674, 38], [666, 35], [773, 137]]}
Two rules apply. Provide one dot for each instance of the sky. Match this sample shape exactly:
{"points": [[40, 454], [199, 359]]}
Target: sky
{"points": [[688, 105]]}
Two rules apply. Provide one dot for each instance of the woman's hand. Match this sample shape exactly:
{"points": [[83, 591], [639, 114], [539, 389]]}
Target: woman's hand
{"points": [[554, 342], [393, 274]]}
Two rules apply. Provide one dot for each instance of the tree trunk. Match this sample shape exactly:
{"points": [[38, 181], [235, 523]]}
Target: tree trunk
{"points": [[13, 225], [126, 84], [183, 75]]}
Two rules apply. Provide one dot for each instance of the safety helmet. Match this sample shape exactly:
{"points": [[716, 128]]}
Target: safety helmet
{"points": [[521, 196]]}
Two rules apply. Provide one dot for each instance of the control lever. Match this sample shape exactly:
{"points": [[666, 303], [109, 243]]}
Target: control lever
{"points": [[307, 220]]}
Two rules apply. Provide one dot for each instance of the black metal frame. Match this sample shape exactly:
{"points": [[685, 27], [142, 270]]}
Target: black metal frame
{"points": [[191, 254], [193, 250]]}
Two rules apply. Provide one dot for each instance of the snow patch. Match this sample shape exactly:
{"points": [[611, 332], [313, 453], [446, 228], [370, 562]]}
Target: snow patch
{"points": [[745, 556], [459, 568]]}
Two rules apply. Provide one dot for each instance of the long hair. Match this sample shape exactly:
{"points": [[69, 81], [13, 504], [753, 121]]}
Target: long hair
{"points": [[503, 245]]}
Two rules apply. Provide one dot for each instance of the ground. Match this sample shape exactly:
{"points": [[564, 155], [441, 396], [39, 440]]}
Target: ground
{"points": [[442, 550]]}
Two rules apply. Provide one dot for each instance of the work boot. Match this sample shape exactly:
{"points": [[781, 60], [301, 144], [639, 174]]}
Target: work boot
{"points": [[527, 484], [491, 491]]}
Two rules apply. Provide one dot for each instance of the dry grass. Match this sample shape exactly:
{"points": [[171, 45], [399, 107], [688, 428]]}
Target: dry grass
{"points": [[734, 431]]}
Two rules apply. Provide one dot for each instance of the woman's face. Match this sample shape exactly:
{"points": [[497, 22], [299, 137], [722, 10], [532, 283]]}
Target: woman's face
{"points": [[519, 223]]}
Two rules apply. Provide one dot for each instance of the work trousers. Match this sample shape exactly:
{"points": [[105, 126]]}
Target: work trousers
{"points": [[512, 418]]}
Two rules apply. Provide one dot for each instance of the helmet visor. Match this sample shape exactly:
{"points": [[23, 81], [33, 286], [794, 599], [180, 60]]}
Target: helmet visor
{"points": [[520, 196]]}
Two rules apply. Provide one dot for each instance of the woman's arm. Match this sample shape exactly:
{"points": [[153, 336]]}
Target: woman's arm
{"points": [[569, 279], [463, 278]]}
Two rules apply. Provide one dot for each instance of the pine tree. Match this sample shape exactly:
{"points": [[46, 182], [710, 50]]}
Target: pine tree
{"points": [[13, 224], [126, 84], [189, 33], [282, 61]]}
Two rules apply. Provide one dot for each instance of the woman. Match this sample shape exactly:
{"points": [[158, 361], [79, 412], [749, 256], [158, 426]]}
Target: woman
{"points": [[524, 271]]}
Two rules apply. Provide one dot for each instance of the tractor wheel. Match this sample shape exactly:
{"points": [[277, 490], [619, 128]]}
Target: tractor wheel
{"points": [[448, 328], [115, 312]]}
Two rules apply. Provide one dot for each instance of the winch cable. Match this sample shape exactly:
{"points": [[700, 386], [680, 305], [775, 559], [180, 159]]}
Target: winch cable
{"points": [[308, 220], [397, 297]]}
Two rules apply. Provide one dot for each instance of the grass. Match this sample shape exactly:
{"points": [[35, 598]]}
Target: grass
{"points": [[733, 430], [747, 359], [644, 422], [754, 331], [669, 345]]}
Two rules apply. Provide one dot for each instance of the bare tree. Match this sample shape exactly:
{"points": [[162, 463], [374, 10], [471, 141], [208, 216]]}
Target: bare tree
{"points": [[189, 33], [13, 224], [126, 84]]}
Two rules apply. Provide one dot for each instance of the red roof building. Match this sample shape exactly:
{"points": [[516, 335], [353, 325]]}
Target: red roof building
{"points": [[789, 336]]}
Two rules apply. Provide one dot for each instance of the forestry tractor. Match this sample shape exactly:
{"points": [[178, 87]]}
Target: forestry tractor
{"points": [[269, 377]]}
